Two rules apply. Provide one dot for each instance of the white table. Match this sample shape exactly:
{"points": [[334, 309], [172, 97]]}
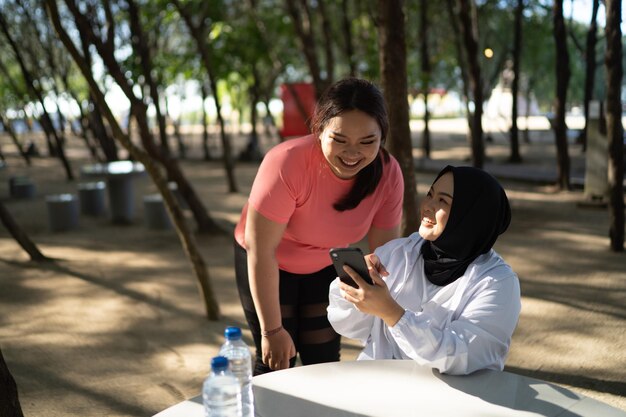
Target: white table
{"points": [[394, 388]]}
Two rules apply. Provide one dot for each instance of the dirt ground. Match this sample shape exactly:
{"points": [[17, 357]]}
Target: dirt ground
{"points": [[115, 327]]}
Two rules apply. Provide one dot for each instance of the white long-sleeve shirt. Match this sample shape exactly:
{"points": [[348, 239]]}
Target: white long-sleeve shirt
{"points": [[458, 328]]}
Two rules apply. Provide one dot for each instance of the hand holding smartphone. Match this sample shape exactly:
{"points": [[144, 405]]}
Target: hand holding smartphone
{"points": [[353, 257]]}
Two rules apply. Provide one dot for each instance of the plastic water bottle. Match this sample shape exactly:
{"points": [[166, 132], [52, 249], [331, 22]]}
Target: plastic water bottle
{"points": [[240, 359], [221, 392]]}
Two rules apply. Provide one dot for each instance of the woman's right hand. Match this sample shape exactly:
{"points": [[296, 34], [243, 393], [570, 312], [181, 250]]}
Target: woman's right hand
{"points": [[278, 349]]}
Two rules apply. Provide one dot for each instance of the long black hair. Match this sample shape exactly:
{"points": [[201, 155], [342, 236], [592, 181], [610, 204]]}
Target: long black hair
{"points": [[355, 94]]}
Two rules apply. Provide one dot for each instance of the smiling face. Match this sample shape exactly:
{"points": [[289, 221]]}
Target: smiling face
{"points": [[435, 207], [350, 142]]}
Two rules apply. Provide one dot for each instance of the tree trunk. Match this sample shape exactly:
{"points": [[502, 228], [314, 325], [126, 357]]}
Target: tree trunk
{"points": [[9, 400], [182, 149], [198, 33], [106, 51], [253, 150], [462, 61], [307, 40], [20, 236], [469, 34], [528, 94], [186, 237], [64, 70], [35, 91], [175, 174], [346, 27], [562, 81], [141, 48], [277, 61], [590, 67], [94, 115], [48, 131], [9, 129], [96, 123], [517, 52], [84, 129], [615, 130], [205, 121], [426, 74], [327, 34], [393, 69]]}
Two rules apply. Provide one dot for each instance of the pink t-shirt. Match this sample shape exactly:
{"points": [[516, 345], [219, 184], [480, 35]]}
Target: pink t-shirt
{"points": [[295, 185]]}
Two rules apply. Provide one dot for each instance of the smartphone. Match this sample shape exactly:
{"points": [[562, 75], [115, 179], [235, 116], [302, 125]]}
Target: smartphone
{"points": [[353, 257]]}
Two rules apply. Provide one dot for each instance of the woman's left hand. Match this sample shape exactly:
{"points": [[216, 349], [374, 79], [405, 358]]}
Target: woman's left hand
{"points": [[372, 299]]}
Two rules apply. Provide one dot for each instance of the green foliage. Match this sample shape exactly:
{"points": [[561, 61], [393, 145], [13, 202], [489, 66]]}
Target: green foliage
{"points": [[538, 57], [539, 54], [255, 43], [441, 48], [365, 36]]}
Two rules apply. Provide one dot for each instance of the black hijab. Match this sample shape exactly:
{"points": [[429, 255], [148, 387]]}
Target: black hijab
{"points": [[480, 212]]}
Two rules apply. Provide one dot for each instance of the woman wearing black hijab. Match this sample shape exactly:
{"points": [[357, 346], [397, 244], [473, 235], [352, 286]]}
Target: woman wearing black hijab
{"points": [[447, 299]]}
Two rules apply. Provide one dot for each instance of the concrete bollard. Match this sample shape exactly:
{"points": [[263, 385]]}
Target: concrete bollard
{"points": [[22, 187], [155, 213], [121, 199], [92, 196], [63, 212]]}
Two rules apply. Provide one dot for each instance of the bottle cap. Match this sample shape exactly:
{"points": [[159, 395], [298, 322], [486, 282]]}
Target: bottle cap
{"points": [[232, 333], [219, 363]]}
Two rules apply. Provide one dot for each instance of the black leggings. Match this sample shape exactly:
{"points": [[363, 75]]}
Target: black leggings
{"points": [[303, 302]]}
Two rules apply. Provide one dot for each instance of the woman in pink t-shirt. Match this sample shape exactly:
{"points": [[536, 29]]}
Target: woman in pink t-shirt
{"points": [[329, 189]]}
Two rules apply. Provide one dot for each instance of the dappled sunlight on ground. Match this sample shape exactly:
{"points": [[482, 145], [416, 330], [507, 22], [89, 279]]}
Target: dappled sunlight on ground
{"points": [[117, 326]]}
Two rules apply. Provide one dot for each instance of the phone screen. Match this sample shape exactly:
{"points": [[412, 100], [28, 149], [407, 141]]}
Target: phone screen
{"points": [[353, 257]]}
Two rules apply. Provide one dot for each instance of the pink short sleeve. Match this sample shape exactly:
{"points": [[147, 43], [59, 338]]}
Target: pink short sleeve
{"points": [[295, 186], [274, 191]]}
